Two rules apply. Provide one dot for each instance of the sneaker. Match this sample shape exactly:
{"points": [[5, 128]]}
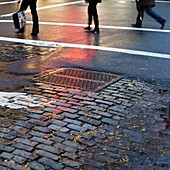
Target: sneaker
{"points": [[162, 24]]}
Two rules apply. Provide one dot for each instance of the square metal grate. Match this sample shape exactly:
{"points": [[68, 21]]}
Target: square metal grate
{"points": [[78, 78]]}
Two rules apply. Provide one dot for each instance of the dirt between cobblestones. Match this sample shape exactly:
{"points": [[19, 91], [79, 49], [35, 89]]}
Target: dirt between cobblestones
{"points": [[121, 127]]}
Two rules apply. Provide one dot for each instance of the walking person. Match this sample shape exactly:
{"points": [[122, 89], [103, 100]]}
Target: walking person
{"points": [[147, 5], [92, 14], [33, 5]]}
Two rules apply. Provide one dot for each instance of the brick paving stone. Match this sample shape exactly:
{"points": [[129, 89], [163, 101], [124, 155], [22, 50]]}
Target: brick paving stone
{"points": [[71, 121], [58, 103], [39, 134], [76, 127], [92, 163], [83, 98], [13, 166], [6, 155], [6, 148], [24, 124], [65, 109], [71, 116], [82, 135], [113, 113], [35, 111], [71, 163], [38, 122], [9, 136], [57, 139], [72, 156], [26, 142], [4, 168], [116, 109], [86, 142], [22, 146], [36, 166], [59, 123], [24, 154], [42, 129], [110, 121], [5, 130], [70, 143], [104, 102], [47, 154], [19, 159], [50, 163], [51, 149], [52, 110], [89, 120], [37, 116], [89, 127], [105, 114], [65, 148], [41, 140], [64, 135], [48, 91], [58, 128], [75, 103]]}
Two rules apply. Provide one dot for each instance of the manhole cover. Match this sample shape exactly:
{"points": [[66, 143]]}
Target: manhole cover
{"points": [[78, 78]]}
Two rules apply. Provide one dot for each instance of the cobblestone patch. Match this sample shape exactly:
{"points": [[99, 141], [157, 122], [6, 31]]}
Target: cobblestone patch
{"points": [[120, 127]]}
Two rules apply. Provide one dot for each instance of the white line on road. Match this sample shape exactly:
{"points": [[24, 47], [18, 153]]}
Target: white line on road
{"points": [[9, 2], [101, 26], [47, 7], [69, 45]]}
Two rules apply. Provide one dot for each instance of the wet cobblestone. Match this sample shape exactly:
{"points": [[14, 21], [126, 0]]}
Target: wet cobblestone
{"points": [[120, 127]]}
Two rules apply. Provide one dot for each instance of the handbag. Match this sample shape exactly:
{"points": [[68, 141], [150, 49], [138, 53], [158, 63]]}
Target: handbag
{"points": [[19, 19]]}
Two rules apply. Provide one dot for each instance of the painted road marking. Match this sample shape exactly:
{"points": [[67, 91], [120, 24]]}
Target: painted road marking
{"points": [[47, 7], [101, 26], [69, 45]]}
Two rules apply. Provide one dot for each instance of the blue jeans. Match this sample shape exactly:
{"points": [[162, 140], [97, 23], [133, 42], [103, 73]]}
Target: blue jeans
{"points": [[150, 12]]}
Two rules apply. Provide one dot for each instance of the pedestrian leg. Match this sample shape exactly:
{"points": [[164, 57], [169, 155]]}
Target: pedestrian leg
{"points": [[156, 16]]}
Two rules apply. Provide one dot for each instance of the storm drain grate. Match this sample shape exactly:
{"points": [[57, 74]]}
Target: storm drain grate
{"points": [[79, 78]]}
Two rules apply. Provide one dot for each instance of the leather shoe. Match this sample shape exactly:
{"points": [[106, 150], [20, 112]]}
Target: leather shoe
{"points": [[96, 30], [136, 26], [162, 24], [20, 31], [34, 34], [87, 28]]}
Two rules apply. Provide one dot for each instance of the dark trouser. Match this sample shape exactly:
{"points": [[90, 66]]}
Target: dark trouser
{"points": [[32, 4], [92, 13], [150, 12]]}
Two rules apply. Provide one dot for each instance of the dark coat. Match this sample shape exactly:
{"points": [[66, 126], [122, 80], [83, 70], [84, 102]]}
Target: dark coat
{"points": [[150, 3]]}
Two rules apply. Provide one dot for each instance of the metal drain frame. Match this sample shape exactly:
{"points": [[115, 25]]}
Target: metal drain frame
{"points": [[111, 78]]}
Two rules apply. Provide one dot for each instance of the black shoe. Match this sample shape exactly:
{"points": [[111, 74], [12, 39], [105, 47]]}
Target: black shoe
{"points": [[162, 24], [96, 30], [20, 31], [87, 28], [136, 26], [34, 34]]}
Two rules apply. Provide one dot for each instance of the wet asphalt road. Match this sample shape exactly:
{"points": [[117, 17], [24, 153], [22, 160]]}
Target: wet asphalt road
{"points": [[141, 54]]}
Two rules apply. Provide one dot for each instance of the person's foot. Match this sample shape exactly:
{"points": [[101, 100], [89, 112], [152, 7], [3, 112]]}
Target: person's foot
{"points": [[136, 26], [34, 34], [20, 31], [162, 24], [87, 28], [95, 31]]}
